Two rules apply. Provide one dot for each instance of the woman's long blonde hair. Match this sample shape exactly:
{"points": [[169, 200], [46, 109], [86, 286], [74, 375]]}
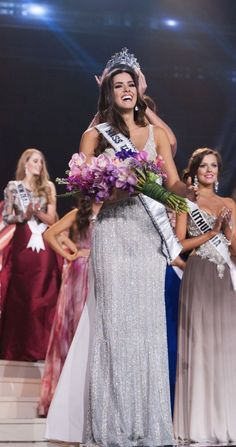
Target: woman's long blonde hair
{"points": [[40, 183]]}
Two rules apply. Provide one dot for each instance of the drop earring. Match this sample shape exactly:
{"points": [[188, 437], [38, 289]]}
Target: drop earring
{"points": [[136, 108], [195, 181], [216, 186]]}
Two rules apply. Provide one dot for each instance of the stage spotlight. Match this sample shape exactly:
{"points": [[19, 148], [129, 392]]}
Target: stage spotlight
{"points": [[6, 8], [171, 23], [34, 9]]}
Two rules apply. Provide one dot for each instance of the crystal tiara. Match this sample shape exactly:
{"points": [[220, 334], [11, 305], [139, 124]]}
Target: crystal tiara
{"points": [[123, 57]]}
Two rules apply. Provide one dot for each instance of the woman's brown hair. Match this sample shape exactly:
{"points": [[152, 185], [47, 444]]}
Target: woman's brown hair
{"points": [[109, 112]]}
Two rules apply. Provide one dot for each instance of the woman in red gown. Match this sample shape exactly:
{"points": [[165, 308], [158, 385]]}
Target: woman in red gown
{"points": [[31, 271]]}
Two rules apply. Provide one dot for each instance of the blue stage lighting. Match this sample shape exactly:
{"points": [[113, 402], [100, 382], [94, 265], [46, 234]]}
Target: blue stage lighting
{"points": [[34, 9], [171, 23]]}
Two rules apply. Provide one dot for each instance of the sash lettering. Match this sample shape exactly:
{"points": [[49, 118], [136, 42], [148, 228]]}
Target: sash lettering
{"points": [[217, 241]]}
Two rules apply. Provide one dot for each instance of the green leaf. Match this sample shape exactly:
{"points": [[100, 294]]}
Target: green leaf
{"points": [[160, 194]]}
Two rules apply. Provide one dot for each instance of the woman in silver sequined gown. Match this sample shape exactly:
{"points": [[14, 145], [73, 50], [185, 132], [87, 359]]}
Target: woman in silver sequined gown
{"points": [[130, 347], [206, 367], [126, 402]]}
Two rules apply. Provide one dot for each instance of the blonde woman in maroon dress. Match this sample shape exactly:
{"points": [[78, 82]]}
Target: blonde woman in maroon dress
{"points": [[33, 273]]}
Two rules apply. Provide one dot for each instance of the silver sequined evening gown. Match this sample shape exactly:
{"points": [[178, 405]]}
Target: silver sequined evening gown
{"points": [[116, 392], [129, 401]]}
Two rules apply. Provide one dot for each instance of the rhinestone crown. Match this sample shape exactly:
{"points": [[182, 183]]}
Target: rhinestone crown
{"points": [[123, 57]]}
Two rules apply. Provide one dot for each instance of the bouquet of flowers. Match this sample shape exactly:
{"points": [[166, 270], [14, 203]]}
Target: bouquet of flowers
{"points": [[125, 170]]}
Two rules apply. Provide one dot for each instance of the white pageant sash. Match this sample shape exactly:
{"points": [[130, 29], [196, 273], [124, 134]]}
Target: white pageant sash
{"points": [[118, 141], [171, 247], [217, 241], [36, 240]]}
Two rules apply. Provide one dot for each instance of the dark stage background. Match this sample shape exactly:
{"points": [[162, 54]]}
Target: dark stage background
{"points": [[50, 51]]}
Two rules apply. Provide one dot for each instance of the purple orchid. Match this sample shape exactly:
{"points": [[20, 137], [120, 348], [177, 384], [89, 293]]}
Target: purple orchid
{"points": [[122, 154]]}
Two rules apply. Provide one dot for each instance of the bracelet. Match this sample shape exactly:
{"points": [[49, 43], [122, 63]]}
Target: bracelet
{"points": [[226, 240]]}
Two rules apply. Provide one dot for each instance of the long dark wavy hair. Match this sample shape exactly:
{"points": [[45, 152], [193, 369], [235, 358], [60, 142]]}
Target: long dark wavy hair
{"points": [[196, 159], [108, 111]]}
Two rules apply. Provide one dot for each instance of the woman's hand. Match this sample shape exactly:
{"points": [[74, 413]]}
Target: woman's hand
{"points": [[71, 256], [99, 79], [192, 191], [179, 262], [36, 208], [226, 214], [29, 212], [217, 227], [142, 84], [80, 253]]}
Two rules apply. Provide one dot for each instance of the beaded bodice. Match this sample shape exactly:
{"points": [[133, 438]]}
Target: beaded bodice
{"points": [[207, 250], [150, 145]]}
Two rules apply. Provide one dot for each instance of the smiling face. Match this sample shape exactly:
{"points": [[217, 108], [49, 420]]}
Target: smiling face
{"points": [[208, 170], [34, 164], [125, 91]]}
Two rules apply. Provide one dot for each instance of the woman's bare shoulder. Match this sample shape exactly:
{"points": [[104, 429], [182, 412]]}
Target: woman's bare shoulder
{"points": [[89, 142], [69, 218], [72, 214], [229, 201], [64, 223], [51, 187], [159, 132], [90, 134], [161, 140], [51, 184], [11, 185]]}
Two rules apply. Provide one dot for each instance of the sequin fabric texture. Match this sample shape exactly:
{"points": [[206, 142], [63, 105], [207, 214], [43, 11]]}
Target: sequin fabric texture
{"points": [[207, 250], [129, 402]]}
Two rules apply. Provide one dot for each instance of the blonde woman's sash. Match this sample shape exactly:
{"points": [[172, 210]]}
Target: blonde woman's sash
{"points": [[37, 229]]}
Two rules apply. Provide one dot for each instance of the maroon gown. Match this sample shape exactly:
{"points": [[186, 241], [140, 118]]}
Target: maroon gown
{"points": [[31, 282]]}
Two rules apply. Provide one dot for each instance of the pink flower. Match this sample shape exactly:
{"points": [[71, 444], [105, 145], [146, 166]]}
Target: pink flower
{"points": [[75, 163], [159, 161], [142, 156], [74, 171], [125, 178], [77, 160], [100, 162]]}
